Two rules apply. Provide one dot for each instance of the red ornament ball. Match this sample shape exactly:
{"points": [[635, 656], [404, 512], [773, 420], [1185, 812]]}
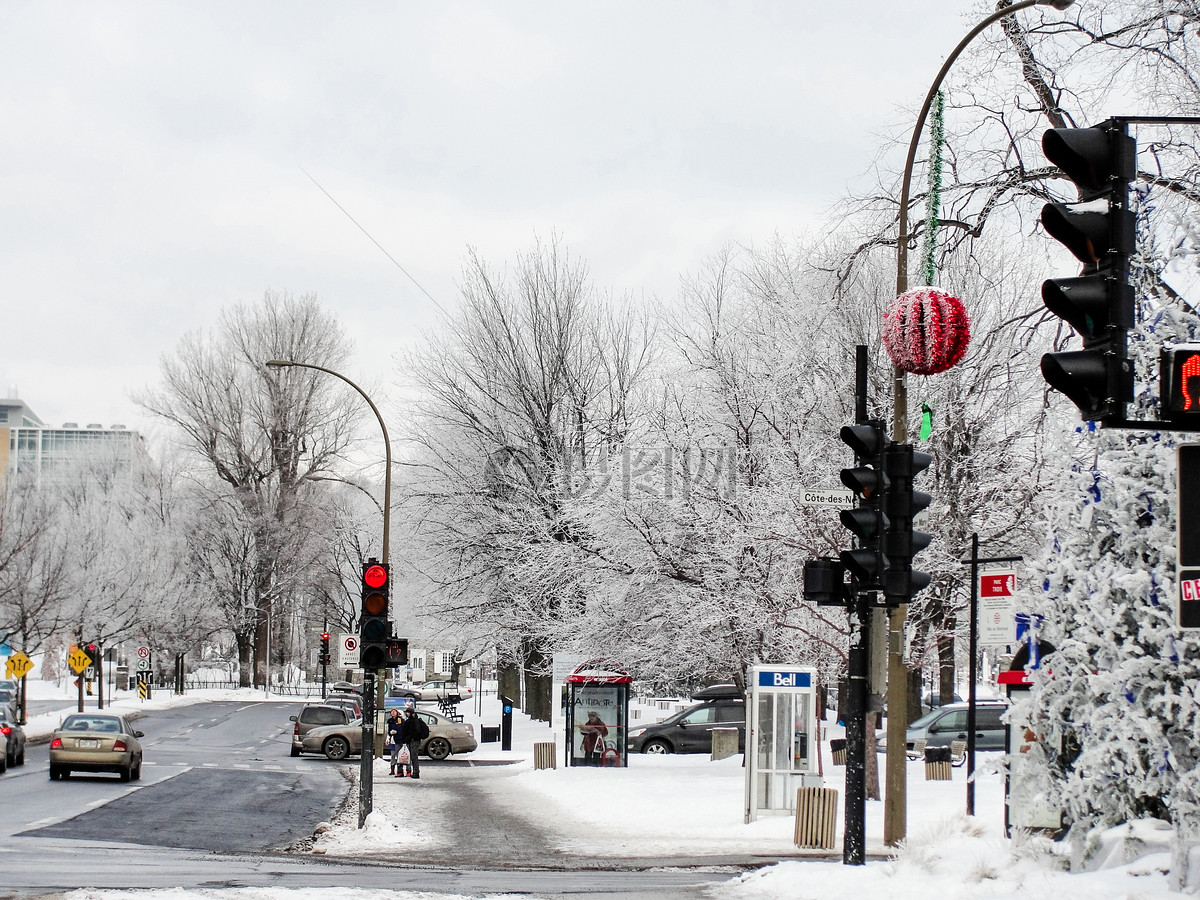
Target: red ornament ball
{"points": [[925, 331]]}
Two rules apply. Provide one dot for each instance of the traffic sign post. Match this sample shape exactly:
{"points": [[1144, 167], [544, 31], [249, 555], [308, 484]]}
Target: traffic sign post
{"points": [[996, 585]]}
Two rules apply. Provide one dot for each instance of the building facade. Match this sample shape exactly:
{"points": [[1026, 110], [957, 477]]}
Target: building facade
{"points": [[32, 449]]}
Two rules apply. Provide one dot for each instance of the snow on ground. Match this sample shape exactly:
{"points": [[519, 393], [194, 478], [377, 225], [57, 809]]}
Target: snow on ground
{"points": [[687, 806]]}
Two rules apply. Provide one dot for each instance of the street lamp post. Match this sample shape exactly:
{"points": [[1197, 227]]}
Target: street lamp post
{"points": [[366, 781], [895, 798]]}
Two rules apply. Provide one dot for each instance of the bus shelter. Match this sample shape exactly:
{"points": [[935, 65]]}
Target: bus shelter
{"points": [[597, 714], [781, 739]]}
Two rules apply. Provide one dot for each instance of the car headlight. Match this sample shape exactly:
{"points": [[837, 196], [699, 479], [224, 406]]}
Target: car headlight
{"points": [[637, 732]]}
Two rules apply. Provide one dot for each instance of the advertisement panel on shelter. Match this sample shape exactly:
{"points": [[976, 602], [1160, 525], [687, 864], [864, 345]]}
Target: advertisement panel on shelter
{"points": [[598, 732]]}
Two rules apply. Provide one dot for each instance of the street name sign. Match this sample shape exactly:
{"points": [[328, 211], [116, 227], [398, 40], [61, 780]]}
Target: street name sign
{"points": [[830, 497]]}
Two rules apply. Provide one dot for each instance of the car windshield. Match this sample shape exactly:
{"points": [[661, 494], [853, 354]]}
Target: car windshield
{"points": [[926, 719], [91, 723]]}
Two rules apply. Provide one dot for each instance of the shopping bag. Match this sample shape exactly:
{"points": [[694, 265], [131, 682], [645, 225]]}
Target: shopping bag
{"points": [[404, 759]]}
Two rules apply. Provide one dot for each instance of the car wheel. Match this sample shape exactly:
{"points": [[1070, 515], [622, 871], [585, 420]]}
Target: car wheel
{"points": [[336, 747], [21, 757], [126, 774], [437, 748], [656, 746], [137, 771], [55, 773], [295, 751], [3, 763]]}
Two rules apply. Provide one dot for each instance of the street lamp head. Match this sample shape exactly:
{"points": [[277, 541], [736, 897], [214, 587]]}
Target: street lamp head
{"points": [[279, 362], [1058, 4]]}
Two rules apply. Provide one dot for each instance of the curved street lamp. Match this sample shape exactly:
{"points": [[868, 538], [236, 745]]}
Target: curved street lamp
{"points": [[387, 444], [895, 799]]}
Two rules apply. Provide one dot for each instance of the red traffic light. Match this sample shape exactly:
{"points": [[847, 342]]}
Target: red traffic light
{"points": [[325, 636], [375, 576]]}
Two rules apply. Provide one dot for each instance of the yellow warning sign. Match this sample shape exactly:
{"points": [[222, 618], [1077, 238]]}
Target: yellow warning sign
{"points": [[78, 660], [18, 665]]}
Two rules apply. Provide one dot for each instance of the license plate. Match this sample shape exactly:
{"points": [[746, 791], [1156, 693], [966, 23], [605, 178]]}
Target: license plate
{"points": [[88, 743]]}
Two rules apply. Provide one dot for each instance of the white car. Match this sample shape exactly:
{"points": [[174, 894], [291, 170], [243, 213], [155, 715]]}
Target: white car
{"points": [[448, 691]]}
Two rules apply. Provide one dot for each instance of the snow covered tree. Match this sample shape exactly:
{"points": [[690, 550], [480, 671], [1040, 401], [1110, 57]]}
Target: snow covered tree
{"points": [[1116, 707]]}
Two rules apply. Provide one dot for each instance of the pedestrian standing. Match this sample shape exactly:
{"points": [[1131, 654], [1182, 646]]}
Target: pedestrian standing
{"points": [[413, 731], [393, 735]]}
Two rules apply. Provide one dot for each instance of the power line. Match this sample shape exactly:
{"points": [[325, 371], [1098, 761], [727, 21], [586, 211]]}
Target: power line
{"points": [[382, 249]]}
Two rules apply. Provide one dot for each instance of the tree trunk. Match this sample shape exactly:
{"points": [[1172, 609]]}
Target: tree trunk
{"points": [[538, 684], [946, 678], [245, 663], [508, 678], [915, 684]]}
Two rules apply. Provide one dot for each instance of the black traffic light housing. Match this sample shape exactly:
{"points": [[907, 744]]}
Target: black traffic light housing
{"points": [[866, 563], [1099, 303], [825, 582], [901, 503], [324, 648], [374, 626]]}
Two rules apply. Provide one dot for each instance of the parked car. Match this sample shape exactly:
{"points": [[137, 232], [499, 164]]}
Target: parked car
{"points": [[690, 730], [449, 691], [942, 726], [403, 692], [351, 702], [314, 715], [14, 735], [95, 742], [445, 737], [9, 700], [346, 687], [3, 753]]}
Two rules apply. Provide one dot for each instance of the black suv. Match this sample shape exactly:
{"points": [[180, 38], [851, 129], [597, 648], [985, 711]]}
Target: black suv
{"points": [[690, 730]]}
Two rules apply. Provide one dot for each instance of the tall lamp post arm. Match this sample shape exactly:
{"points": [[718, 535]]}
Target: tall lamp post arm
{"points": [[387, 444], [902, 240]]}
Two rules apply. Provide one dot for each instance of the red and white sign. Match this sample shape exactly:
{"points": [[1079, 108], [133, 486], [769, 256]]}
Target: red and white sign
{"points": [[1190, 590], [997, 584], [143, 652], [348, 651], [997, 613]]}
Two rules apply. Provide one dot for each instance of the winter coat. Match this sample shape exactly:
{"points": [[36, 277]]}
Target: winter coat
{"points": [[413, 730]]}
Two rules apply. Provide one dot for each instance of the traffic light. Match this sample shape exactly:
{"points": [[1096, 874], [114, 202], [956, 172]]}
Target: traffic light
{"points": [[1098, 303], [866, 563], [824, 581], [901, 463], [324, 648], [374, 628], [397, 652], [1179, 380]]}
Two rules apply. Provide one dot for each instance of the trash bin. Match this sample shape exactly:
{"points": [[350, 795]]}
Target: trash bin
{"points": [[837, 750], [489, 734], [816, 818], [937, 763]]}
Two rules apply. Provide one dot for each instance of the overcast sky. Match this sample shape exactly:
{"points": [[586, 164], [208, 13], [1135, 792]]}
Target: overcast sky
{"points": [[153, 156]]}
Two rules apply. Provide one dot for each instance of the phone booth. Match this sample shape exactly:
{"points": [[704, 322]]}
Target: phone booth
{"points": [[781, 739], [597, 714]]}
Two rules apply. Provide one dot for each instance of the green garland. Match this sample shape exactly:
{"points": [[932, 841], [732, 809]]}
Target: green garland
{"points": [[933, 203]]}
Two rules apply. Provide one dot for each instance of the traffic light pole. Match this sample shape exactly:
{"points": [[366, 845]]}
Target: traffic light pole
{"points": [[896, 796], [366, 768], [974, 663]]}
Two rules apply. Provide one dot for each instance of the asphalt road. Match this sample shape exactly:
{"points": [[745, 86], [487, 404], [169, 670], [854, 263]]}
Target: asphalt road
{"points": [[221, 802]]}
